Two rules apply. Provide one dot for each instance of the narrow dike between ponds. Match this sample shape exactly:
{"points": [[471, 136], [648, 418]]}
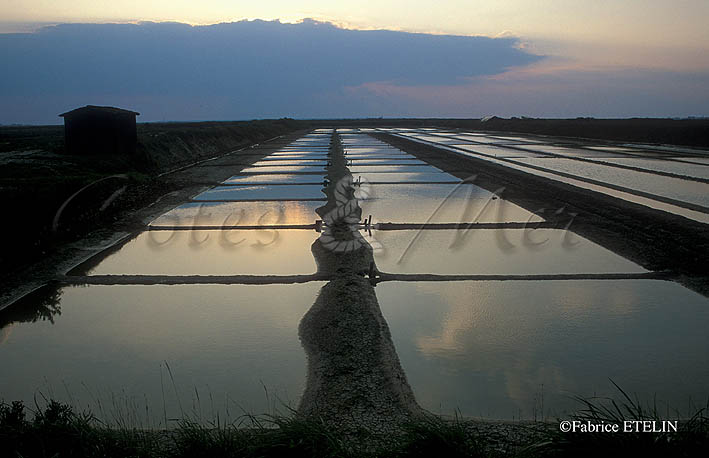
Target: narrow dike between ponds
{"points": [[354, 379]]}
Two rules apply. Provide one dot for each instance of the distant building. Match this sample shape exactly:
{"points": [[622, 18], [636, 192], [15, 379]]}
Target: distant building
{"points": [[488, 118], [94, 130]]}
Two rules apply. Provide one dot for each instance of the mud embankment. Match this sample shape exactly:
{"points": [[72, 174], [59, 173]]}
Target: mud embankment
{"points": [[166, 146], [355, 381]]}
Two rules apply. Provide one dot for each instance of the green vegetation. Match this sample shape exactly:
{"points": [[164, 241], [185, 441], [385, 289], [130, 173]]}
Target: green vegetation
{"points": [[690, 440], [57, 431]]}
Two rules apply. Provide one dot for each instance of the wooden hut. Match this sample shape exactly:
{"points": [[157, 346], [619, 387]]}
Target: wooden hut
{"points": [[93, 130]]}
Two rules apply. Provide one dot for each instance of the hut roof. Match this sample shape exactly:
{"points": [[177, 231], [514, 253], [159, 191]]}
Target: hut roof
{"points": [[98, 109]]}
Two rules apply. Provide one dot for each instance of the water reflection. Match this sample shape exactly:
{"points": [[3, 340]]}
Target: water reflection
{"points": [[230, 349], [262, 192], [213, 252], [499, 350], [494, 251], [519, 349], [674, 188], [231, 214], [40, 305], [439, 203]]}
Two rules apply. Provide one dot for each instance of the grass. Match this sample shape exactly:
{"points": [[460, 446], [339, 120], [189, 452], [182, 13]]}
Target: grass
{"points": [[268, 436], [690, 440], [56, 430], [434, 436]]}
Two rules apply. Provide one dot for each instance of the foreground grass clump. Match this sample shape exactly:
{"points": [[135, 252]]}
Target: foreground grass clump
{"points": [[433, 436], [57, 431], [270, 436], [690, 440], [273, 436]]}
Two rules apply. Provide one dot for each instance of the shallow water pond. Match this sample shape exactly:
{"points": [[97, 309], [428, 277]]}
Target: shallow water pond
{"points": [[376, 152], [290, 162], [652, 203], [476, 139], [436, 203], [290, 155], [405, 177], [213, 252], [498, 151], [305, 149], [573, 152], [262, 213], [699, 160], [256, 192], [392, 168], [518, 139], [276, 178], [516, 349], [228, 348], [295, 156], [679, 168], [380, 151], [357, 162], [493, 251], [674, 188], [284, 169], [379, 156], [438, 139]]}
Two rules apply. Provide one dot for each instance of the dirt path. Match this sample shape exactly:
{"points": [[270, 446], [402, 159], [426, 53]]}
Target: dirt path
{"points": [[355, 381]]}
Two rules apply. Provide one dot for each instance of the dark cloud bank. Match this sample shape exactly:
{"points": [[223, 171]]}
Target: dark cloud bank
{"points": [[239, 70]]}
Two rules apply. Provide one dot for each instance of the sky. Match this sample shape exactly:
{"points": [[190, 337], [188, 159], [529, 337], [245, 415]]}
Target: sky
{"points": [[450, 58]]}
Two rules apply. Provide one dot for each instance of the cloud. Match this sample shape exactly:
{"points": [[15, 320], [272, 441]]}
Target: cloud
{"points": [[238, 70], [556, 91], [260, 69]]}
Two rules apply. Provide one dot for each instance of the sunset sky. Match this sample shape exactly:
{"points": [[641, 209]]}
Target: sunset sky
{"points": [[606, 58]]}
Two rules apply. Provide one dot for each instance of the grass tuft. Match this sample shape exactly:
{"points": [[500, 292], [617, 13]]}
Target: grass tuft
{"points": [[690, 440], [261, 436], [434, 436], [56, 430]]}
